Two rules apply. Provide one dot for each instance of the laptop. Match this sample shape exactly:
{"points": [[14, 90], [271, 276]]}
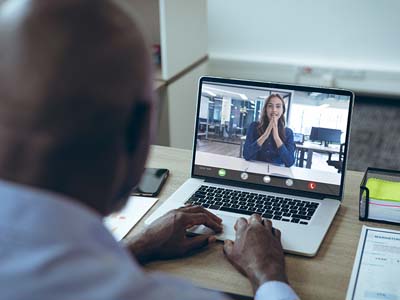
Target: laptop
{"points": [[300, 201]]}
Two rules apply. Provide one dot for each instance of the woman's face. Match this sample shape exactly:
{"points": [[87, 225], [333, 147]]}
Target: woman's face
{"points": [[274, 108]]}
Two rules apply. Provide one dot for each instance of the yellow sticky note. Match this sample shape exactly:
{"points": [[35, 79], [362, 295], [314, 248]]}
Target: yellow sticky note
{"points": [[383, 189]]}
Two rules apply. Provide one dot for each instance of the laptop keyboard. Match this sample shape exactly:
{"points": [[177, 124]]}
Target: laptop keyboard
{"points": [[246, 203]]}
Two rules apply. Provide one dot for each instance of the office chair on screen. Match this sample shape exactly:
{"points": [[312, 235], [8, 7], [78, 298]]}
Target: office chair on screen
{"points": [[338, 164]]}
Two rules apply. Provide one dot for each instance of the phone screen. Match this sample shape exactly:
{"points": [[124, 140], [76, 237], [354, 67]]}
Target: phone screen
{"points": [[151, 182]]}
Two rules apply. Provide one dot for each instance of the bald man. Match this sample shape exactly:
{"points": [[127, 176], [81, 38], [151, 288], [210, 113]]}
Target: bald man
{"points": [[76, 117]]}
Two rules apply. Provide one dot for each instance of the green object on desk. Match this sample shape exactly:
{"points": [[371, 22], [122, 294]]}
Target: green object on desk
{"points": [[383, 189]]}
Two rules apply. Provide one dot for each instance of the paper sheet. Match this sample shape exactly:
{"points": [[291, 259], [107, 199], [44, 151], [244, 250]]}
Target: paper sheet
{"points": [[376, 269], [120, 223], [384, 200], [384, 210]]}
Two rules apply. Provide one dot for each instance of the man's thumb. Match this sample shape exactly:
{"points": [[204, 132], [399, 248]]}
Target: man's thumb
{"points": [[198, 241], [228, 247]]}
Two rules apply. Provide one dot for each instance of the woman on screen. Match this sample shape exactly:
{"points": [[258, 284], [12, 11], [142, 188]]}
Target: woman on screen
{"points": [[269, 140]]}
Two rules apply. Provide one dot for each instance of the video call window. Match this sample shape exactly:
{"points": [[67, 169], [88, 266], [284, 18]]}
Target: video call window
{"points": [[287, 131]]}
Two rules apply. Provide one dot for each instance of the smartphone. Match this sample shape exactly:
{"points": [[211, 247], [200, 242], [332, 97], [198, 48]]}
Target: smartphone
{"points": [[151, 183]]}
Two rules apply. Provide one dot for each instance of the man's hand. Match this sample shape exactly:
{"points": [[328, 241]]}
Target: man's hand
{"points": [[166, 237], [257, 251]]}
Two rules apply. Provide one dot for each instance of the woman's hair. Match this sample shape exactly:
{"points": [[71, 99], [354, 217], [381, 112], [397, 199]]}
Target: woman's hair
{"points": [[264, 122]]}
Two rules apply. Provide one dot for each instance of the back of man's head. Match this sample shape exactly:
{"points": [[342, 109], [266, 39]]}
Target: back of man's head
{"points": [[75, 98]]}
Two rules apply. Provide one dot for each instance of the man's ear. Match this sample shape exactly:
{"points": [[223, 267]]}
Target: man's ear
{"points": [[138, 130]]}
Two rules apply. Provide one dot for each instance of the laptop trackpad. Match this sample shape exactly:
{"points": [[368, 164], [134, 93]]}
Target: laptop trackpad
{"points": [[228, 231]]}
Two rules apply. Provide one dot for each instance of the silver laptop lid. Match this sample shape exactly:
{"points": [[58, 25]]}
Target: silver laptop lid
{"points": [[274, 137]]}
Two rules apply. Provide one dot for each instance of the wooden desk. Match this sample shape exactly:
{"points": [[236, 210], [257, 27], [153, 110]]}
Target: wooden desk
{"points": [[325, 276]]}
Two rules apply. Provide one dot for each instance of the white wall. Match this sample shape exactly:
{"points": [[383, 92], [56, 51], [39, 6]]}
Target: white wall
{"points": [[182, 101], [146, 13], [362, 34]]}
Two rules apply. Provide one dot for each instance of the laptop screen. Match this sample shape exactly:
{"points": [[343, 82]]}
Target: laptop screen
{"points": [[272, 135]]}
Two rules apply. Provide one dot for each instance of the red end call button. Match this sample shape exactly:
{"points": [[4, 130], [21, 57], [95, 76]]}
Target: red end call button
{"points": [[312, 185]]}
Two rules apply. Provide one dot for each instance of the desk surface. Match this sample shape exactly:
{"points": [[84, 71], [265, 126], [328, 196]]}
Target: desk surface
{"points": [[325, 276], [317, 147]]}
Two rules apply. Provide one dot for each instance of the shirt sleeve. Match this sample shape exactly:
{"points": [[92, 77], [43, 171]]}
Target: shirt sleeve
{"points": [[275, 290], [251, 147], [286, 151]]}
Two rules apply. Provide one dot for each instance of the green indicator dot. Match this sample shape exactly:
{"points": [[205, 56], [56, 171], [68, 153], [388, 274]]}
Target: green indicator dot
{"points": [[221, 172]]}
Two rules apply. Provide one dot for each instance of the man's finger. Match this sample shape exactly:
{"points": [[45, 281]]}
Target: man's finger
{"points": [[255, 218], [228, 247], [191, 219], [240, 225], [278, 234], [268, 224], [200, 209]]}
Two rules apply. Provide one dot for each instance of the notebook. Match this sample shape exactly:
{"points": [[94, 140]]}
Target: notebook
{"points": [[121, 222]]}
